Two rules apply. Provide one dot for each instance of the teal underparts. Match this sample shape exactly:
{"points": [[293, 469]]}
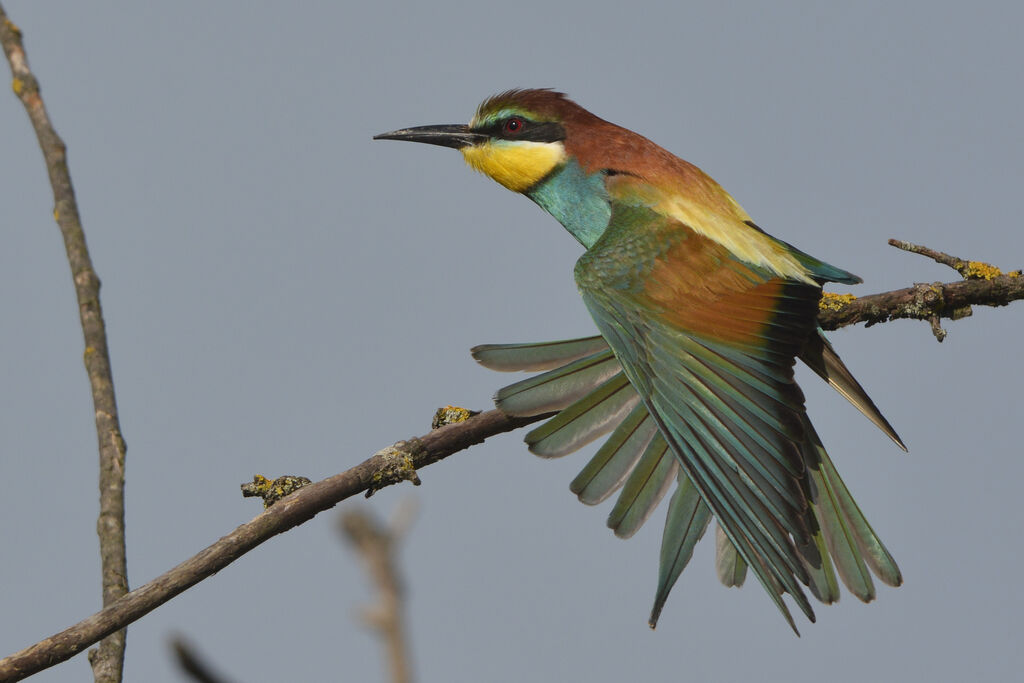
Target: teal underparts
{"points": [[577, 200]]}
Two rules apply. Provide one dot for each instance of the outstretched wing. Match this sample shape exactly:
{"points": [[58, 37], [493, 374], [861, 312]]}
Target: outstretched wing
{"points": [[709, 342], [843, 540]]}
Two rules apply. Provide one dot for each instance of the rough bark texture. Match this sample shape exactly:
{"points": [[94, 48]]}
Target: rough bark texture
{"points": [[108, 660]]}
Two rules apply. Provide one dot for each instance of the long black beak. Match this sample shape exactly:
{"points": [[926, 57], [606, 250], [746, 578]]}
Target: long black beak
{"points": [[456, 136]]}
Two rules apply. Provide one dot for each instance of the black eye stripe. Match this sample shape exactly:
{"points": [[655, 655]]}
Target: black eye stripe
{"points": [[533, 131]]}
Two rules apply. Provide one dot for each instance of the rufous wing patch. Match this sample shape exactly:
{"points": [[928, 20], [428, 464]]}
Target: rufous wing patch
{"points": [[696, 286]]}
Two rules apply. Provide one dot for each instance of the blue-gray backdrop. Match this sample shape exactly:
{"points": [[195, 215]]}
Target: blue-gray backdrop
{"points": [[284, 295]]}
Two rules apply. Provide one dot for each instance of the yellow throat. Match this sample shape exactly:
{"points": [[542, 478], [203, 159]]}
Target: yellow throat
{"points": [[518, 165]]}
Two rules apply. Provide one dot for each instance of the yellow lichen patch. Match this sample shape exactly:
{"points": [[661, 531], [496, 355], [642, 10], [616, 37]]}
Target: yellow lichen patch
{"points": [[450, 415], [835, 302], [259, 486], [17, 85], [396, 463], [12, 27], [978, 270], [273, 491], [56, 215], [282, 486]]}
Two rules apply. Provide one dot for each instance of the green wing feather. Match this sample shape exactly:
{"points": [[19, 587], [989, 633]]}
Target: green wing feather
{"points": [[557, 388], [646, 485], [834, 512], [685, 524], [585, 420], [742, 464], [608, 469], [723, 407], [534, 357]]}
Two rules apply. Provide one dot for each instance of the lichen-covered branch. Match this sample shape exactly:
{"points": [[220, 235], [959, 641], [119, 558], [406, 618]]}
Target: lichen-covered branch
{"points": [[107, 661], [286, 513], [984, 285]]}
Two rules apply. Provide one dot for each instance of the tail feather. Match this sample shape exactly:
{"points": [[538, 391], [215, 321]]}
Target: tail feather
{"points": [[819, 356], [872, 550]]}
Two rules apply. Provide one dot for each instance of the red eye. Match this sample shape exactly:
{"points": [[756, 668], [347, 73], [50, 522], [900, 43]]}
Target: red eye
{"points": [[512, 125]]}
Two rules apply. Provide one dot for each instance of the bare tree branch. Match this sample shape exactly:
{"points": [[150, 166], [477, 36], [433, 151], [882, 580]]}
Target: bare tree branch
{"points": [[108, 660], [303, 505], [377, 545], [970, 270], [985, 285]]}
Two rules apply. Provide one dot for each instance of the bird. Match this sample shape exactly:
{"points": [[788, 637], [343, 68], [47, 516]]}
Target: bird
{"points": [[702, 316]]}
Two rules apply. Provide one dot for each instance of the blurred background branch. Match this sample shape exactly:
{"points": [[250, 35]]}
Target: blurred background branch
{"points": [[192, 663], [378, 544]]}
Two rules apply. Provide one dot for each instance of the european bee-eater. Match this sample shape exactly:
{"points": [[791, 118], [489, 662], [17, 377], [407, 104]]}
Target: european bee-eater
{"points": [[702, 315]]}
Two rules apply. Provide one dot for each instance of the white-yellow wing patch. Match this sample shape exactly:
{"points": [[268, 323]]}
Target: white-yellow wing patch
{"points": [[731, 232], [745, 242], [518, 165]]}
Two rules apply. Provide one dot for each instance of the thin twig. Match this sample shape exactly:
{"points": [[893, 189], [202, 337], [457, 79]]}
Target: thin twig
{"points": [[377, 544], [970, 270], [286, 513], [939, 257], [108, 660]]}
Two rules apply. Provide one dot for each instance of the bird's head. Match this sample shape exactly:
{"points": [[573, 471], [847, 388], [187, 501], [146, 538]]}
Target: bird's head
{"points": [[517, 137]]}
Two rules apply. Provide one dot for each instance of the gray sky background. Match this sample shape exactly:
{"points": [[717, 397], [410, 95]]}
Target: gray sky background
{"points": [[284, 295]]}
